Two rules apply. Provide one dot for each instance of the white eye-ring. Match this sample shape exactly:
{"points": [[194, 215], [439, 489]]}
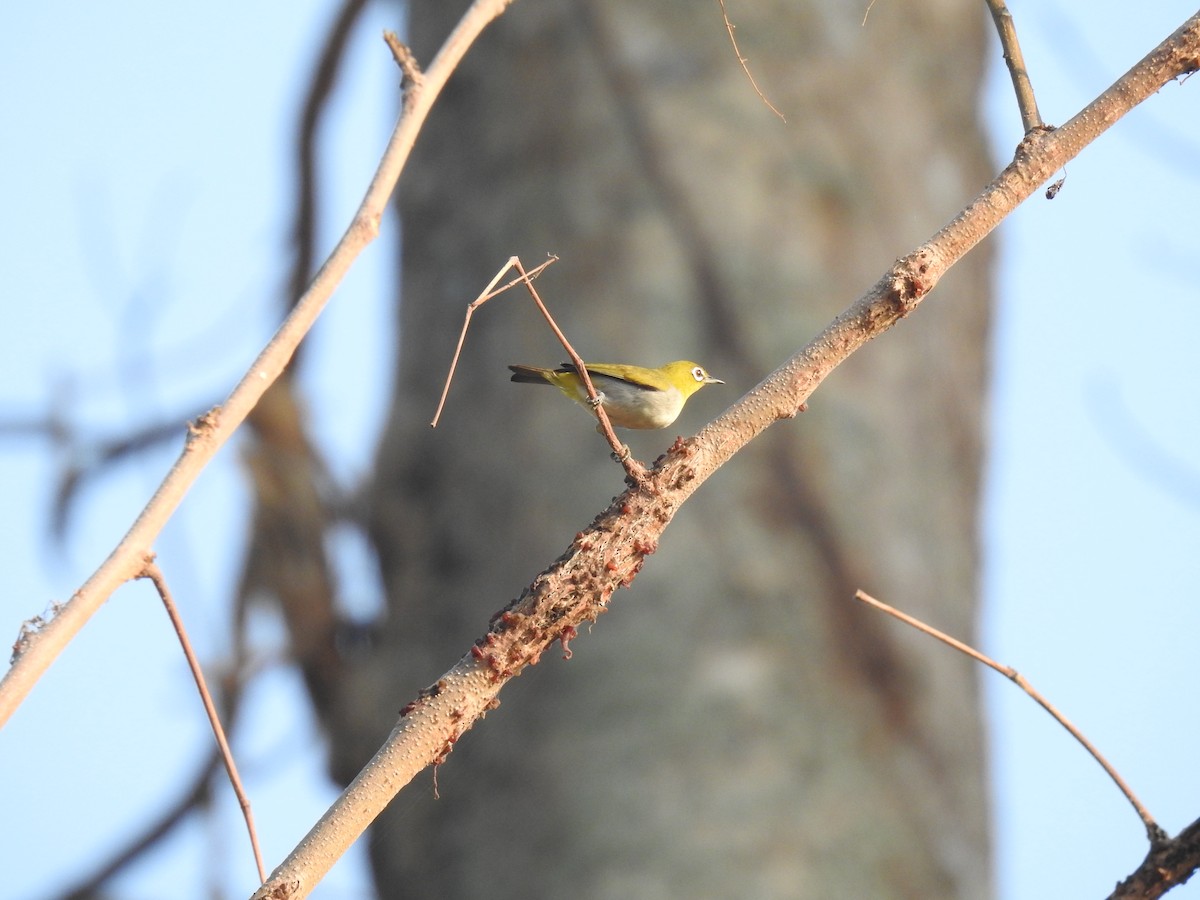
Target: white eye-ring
{"points": [[698, 373]]}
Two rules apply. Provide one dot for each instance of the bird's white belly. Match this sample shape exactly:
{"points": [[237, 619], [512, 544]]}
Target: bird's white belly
{"points": [[632, 407]]}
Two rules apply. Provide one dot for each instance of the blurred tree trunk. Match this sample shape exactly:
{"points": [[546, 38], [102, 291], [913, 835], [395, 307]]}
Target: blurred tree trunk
{"points": [[738, 726]]}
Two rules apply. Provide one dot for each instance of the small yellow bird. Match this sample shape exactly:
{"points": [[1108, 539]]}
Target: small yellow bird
{"points": [[633, 397]]}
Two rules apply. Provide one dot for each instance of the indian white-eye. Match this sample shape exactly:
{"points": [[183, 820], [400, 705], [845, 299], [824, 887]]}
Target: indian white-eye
{"points": [[633, 396]]}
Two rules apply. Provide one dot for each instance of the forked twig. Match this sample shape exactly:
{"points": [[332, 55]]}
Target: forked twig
{"points": [[487, 294], [1153, 831], [729, 26], [154, 573], [633, 468]]}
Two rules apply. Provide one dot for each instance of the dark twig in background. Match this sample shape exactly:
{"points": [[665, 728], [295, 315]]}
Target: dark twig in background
{"points": [[304, 225], [196, 794]]}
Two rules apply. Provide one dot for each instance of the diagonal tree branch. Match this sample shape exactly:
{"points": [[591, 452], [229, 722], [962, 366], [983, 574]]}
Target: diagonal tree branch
{"points": [[608, 554], [40, 648], [1169, 864]]}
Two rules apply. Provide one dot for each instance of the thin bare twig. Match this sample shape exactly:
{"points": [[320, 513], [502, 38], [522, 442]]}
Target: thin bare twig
{"points": [[729, 26], [154, 573], [1153, 830], [1031, 119], [633, 468], [214, 429]]}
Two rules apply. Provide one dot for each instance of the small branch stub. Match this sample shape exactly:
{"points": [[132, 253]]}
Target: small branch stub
{"points": [[413, 80]]}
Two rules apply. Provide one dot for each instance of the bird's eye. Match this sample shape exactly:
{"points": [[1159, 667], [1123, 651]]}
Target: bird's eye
{"points": [[698, 373]]}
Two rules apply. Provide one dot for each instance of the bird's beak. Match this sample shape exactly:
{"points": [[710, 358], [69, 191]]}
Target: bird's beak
{"points": [[708, 379]]}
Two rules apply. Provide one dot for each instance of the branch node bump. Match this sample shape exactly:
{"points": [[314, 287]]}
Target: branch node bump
{"points": [[412, 80], [204, 425]]}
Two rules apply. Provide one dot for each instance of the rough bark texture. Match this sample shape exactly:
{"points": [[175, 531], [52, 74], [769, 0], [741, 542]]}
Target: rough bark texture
{"points": [[738, 726]]}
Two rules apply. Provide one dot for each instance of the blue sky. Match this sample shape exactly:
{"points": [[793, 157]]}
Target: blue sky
{"points": [[146, 160]]}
